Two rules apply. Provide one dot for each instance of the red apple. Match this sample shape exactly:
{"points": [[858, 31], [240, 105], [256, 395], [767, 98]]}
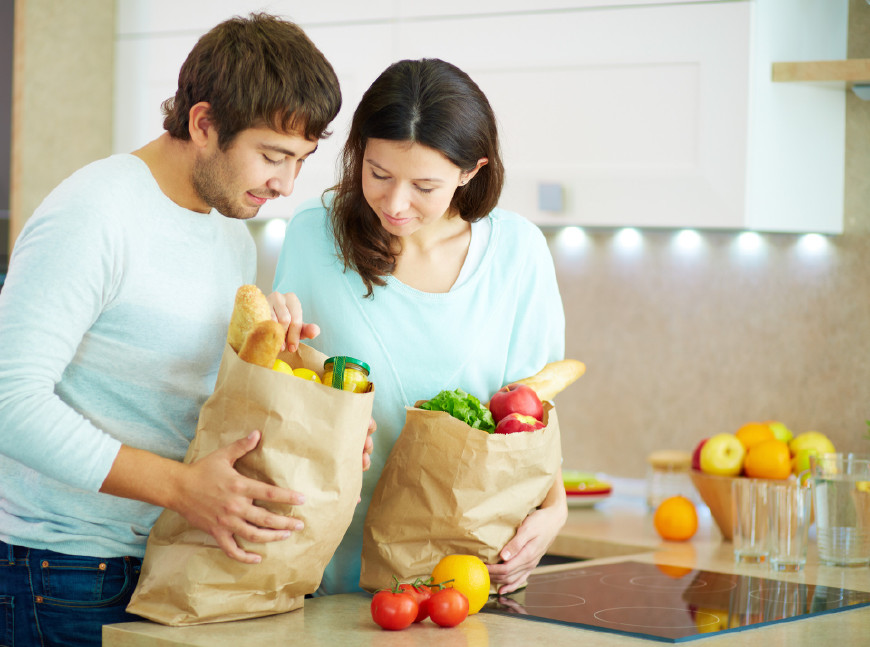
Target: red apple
{"points": [[514, 422], [516, 398], [696, 455]]}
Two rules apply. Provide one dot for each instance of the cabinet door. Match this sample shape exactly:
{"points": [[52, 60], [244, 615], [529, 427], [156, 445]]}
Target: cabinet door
{"points": [[638, 113]]}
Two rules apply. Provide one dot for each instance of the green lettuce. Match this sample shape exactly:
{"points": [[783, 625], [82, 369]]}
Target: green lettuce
{"points": [[464, 407]]}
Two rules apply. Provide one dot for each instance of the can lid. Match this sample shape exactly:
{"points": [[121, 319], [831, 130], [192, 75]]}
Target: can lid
{"points": [[672, 459], [347, 360]]}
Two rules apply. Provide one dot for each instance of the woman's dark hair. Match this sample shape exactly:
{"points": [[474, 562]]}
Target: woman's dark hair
{"points": [[428, 102], [254, 71]]}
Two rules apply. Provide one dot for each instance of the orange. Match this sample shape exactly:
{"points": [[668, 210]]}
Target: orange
{"points": [[676, 519], [769, 459], [753, 433], [469, 576]]}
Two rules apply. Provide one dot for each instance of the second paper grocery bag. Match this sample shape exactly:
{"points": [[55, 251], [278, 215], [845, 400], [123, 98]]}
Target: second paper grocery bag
{"points": [[447, 488]]}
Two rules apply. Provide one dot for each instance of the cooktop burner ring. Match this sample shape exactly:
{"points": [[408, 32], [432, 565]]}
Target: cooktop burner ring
{"points": [[788, 596], [568, 599], [662, 582], [680, 618], [567, 575]]}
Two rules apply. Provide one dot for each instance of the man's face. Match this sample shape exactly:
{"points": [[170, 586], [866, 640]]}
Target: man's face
{"points": [[260, 164]]}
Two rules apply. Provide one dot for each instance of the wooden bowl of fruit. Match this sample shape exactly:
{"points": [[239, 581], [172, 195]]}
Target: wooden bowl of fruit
{"points": [[715, 491], [754, 451]]}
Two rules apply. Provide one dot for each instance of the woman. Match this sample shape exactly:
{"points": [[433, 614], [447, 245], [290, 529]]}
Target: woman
{"points": [[409, 266]]}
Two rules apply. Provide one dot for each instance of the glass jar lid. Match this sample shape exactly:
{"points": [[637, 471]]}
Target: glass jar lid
{"points": [[350, 361]]}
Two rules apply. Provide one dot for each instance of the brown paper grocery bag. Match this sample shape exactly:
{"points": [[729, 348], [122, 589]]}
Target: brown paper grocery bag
{"points": [[449, 489], [312, 441]]}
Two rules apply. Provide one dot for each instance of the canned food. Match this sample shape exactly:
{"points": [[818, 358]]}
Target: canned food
{"points": [[347, 373]]}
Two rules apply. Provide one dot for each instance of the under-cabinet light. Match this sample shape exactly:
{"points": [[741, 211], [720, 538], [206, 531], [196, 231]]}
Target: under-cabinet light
{"points": [[813, 243], [274, 229], [572, 237], [628, 238], [749, 241], [687, 240]]}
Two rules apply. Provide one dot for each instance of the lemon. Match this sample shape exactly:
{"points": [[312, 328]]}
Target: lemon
{"points": [[306, 374], [470, 577], [811, 440], [282, 367]]}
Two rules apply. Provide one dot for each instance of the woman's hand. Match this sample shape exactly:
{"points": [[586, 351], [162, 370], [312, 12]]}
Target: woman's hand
{"points": [[287, 311], [532, 539], [369, 445]]}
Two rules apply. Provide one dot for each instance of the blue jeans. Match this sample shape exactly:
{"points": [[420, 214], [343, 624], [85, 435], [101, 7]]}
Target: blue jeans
{"points": [[51, 599]]}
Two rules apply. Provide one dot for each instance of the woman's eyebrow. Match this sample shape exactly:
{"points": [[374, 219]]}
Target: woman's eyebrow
{"points": [[416, 179]]}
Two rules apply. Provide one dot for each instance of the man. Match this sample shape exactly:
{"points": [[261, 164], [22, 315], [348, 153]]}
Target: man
{"points": [[113, 320]]}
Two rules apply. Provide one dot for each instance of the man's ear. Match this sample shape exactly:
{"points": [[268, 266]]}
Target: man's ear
{"points": [[200, 123]]}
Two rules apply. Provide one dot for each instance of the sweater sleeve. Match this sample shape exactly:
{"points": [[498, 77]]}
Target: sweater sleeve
{"points": [[61, 276]]}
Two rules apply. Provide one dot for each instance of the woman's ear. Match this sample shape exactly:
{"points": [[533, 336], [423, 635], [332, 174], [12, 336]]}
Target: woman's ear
{"points": [[200, 124], [465, 176]]}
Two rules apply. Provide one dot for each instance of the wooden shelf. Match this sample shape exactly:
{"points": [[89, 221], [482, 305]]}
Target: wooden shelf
{"points": [[853, 70]]}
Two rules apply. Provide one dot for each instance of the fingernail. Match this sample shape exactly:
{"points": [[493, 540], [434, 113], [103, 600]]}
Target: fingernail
{"points": [[299, 526], [252, 434], [286, 534], [505, 555], [257, 559]]}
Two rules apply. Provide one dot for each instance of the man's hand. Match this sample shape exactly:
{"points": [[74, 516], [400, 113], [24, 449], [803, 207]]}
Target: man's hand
{"points": [[217, 499], [287, 311], [209, 493]]}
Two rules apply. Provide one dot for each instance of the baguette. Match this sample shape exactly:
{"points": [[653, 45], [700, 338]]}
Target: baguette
{"points": [[263, 343], [554, 378], [249, 309]]}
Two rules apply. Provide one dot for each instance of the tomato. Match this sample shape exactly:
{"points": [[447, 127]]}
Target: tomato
{"points": [[393, 611], [421, 593], [447, 607]]}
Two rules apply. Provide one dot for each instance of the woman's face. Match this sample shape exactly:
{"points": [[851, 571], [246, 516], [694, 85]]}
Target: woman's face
{"points": [[408, 185]]}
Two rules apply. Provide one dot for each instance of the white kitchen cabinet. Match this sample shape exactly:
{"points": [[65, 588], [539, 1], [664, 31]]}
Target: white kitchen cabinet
{"points": [[645, 113]]}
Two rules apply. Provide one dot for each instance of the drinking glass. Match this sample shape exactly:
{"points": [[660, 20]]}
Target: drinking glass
{"points": [[789, 516], [749, 515], [841, 493]]}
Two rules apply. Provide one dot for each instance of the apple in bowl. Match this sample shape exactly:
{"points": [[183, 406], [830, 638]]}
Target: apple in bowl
{"points": [[716, 462], [722, 455]]}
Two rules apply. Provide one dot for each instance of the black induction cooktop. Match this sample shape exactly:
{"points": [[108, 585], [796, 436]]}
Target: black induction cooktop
{"points": [[668, 603]]}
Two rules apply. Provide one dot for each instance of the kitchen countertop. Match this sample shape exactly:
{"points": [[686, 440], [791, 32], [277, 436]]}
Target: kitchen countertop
{"points": [[617, 529]]}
